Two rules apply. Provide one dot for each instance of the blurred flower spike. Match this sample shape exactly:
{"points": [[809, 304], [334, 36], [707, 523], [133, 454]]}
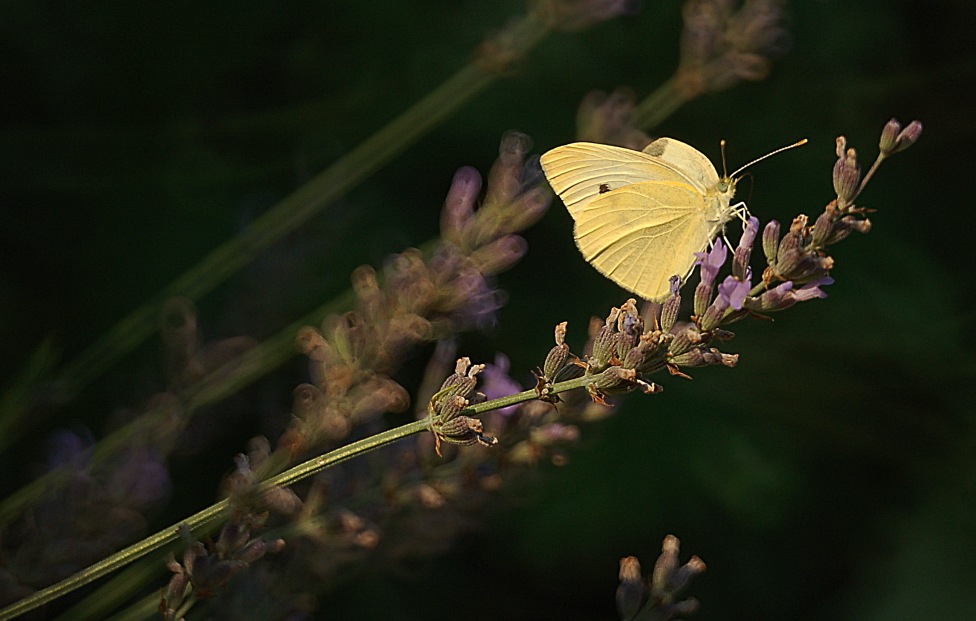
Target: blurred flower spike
{"points": [[658, 597], [417, 299], [722, 44], [610, 119], [572, 15]]}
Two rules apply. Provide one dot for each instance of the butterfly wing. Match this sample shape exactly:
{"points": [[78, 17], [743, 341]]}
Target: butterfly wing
{"points": [[693, 162], [685, 158], [642, 234], [582, 172]]}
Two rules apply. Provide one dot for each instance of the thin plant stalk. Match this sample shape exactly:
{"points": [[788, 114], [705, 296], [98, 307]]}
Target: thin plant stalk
{"points": [[208, 518], [267, 356]]}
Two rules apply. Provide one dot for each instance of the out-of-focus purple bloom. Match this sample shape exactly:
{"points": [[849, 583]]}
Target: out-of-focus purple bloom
{"points": [[495, 382], [724, 42], [67, 449], [139, 478]]}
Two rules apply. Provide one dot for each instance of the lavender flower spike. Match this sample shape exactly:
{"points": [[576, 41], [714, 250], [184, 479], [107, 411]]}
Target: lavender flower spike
{"points": [[709, 263], [740, 260]]}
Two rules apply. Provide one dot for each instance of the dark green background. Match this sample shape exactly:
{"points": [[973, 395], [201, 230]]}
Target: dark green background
{"points": [[830, 475]]}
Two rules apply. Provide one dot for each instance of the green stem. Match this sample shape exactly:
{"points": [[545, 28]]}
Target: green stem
{"points": [[659, 105], [211, 515], [197, 521]]}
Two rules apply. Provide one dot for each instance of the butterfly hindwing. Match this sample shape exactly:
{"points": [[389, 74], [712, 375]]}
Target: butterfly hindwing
{"points": [[642, 234]]}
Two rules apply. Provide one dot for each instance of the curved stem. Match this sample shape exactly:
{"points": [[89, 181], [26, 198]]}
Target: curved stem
{"points": [[208, 516], [211, 515], [659, 105]]}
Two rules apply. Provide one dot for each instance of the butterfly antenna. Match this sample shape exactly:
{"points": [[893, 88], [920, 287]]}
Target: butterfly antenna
{"points": [[725, 171], [759, 159]]}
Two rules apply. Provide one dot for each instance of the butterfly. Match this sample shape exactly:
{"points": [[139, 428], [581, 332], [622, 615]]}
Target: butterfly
{"points": [[640, 216]]}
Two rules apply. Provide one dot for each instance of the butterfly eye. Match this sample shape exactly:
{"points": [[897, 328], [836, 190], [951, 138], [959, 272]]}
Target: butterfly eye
{"points": [[604, 188]]}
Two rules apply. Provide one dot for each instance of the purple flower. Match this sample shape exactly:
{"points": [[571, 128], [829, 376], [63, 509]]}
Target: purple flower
{"points": [[740, 260], [749, 234], [710, 263], [785, 296], [811, 290], [733, 291], [495, 382]]}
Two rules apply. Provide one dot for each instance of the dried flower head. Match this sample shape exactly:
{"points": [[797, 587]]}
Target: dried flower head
{"points": [[444, 409]]}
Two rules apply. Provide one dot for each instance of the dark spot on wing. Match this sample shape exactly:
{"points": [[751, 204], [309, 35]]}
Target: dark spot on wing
{"points": [[604, 188], [656, 148]]}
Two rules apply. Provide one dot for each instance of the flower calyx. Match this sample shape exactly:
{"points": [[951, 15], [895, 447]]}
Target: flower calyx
{"points": [[444, 411]]}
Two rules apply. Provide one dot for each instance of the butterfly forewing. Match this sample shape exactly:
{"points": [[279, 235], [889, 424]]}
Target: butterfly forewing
{"points": [[687, 159], [582, 172], [642, 234]]}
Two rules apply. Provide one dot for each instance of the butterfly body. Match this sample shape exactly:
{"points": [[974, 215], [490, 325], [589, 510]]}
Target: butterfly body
{"points": [[640, 216]]}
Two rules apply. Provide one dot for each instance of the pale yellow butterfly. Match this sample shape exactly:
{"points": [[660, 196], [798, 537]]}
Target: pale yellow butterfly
{"points": [[642, 215]]}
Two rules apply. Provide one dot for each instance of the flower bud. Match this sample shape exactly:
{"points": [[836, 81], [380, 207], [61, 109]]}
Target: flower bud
{"points": [[631, 594], [684, 341], [614, 380], [843, 227], [889, 137], [671, 306], [908, 136], [604, 344], [665, 565], [743, 252], [770, 241], [847, 177], [895, 139], [555, 361]]}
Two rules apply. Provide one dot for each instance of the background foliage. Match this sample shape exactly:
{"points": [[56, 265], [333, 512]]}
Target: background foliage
{"points": [[830, 475]]}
